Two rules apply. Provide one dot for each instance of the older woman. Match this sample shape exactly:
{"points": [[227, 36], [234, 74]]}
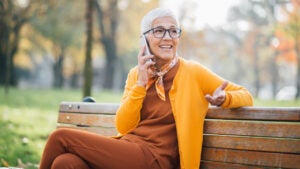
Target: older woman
{"points": [[161, 116]]}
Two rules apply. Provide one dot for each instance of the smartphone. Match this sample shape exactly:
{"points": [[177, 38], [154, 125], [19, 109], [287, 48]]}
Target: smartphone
{"points": [[145, 43]]}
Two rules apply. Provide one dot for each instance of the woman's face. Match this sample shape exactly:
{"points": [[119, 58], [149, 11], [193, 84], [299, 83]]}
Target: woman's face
{"points": [[164, 49]]}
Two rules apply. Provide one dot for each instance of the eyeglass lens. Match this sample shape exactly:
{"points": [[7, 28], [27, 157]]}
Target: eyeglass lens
{"points": [[160, 32]]}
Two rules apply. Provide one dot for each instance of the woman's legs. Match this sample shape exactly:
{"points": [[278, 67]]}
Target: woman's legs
{"points": [[95, 150], [69, 161]]}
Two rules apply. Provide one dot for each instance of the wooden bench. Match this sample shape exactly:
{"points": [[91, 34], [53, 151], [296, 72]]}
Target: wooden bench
{"points": [[243, 138]]}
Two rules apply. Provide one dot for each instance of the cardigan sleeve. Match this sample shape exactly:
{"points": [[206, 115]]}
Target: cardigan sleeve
{"points": [[128, 114], [236, 95]]}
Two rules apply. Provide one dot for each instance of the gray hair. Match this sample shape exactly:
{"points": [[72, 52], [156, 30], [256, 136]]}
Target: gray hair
{"points": [[147, 20]]}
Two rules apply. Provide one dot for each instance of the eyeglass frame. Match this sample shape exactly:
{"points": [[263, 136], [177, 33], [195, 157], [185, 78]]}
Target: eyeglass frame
{"points": [[166, 30]]}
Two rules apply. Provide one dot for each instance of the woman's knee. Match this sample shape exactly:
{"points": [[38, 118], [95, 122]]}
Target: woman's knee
{"points": [[59, 133], [69, 161]]}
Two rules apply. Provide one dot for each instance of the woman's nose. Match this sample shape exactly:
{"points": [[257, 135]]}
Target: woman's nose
{"points": [[167, 35]]}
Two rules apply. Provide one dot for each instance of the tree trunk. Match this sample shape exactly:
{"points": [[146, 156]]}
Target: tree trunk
{"points": [[10, 28], [88, 68], [274, 74], [256, 67], [8, 65], [5, 13], [111, 58], [58, 71], [108, 28], [297, 48], [14, 47]]}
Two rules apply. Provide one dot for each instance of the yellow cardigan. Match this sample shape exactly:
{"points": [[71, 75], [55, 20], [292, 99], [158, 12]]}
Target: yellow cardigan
{"points": [[191, 83]]}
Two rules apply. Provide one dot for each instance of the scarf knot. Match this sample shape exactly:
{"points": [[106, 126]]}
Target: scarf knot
{"points": [[157, 77]]}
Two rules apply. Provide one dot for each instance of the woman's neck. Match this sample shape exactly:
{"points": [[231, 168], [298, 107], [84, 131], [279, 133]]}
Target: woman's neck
{"points": [[159, 63]]}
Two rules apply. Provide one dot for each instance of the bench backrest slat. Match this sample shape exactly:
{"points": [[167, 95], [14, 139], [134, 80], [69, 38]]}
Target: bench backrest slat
{"points": [[256, 113], [101, 131], [251, 157], [246, 113], [252, 143], [252, 128], [89, 108], [223, 165], [99, 120]]}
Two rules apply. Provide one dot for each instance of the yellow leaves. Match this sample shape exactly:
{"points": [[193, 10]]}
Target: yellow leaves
{"points": [[21, 165], [23, 61], [4, 163]]}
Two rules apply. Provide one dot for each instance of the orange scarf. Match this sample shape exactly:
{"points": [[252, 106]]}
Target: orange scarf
{"points": [[157, 77]]}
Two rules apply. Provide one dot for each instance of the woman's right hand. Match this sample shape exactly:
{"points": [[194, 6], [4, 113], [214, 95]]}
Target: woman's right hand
{"points": [[144, 63]]}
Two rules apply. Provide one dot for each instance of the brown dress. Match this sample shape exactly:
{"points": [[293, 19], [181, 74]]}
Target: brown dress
{"points": [[156, 131]]}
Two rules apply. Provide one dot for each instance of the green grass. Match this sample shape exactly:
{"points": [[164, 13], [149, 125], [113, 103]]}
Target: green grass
{"points": [[274, 103], [49, 99], [28, 116]]}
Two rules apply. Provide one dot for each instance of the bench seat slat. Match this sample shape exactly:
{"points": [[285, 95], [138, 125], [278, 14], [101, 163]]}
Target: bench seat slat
{"points": [[256, 113], [254, 158], [266, 144], [252, 128], [87, 119]]}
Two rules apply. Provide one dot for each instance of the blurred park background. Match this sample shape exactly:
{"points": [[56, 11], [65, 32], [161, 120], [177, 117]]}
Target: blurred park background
{"points": [[64, 50]]}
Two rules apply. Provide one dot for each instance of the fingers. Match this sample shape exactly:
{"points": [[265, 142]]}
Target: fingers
{"points": [[219, 95], [141, 52], [220, 90], [144, 59], [223, 85], [144, 64], [213, 100]]}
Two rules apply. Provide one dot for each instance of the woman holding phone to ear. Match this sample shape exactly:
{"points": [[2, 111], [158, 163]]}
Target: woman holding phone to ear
{"points": [[161, 116]]}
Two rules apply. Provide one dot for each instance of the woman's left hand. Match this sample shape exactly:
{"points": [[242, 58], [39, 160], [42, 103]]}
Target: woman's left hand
{"points": [[219, 96]]}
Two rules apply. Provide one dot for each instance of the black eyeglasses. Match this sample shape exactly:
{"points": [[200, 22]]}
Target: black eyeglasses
{"points": [[160, 32]]}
